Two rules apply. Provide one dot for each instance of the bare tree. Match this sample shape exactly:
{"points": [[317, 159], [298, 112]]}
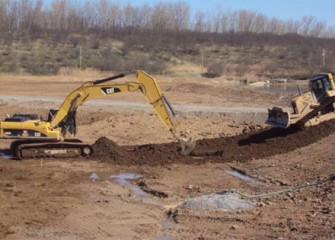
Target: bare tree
{"points": [[260, 23], [143, 16], [58, 15], [200, 21], [329, 32], [74, 18], [306, 24], [218, 20], [233, 22], [136, 17], [29, 16], [317, 28], [12, 16], [160, 17], [88, 15], [292, 26], [180, 16], [3, 15], [246, 21]]}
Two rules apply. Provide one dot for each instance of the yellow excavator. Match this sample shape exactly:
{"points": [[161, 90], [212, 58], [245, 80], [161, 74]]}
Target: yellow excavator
{"points": [[308, 108], [36, 138]]}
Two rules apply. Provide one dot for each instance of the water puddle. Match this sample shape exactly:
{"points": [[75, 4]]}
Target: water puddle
{"points": [[6, 155], [94, 177], [163, 237], [239, 175], [123, 180], [223, 201], [165, 225]]}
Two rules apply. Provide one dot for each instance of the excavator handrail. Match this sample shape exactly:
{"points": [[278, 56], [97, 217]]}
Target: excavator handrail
{"points": [[99, 81]]}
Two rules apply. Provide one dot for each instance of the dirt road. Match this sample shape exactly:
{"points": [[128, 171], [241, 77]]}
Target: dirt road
{"points": [[135, 184]]}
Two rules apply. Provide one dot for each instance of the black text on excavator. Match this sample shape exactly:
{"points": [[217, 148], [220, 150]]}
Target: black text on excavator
{"points": [[54, 137]]}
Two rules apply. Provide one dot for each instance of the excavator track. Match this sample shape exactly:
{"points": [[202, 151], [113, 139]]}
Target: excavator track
{"points": [[29, 149]]}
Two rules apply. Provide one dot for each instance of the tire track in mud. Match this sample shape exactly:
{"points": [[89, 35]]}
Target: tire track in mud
{"points": [[243, 147]]}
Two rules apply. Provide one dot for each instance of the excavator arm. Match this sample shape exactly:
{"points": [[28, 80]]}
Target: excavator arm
{"points": [[160, 103], [99, 88]]}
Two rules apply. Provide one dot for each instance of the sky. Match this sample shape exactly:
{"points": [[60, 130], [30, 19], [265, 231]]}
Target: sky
{"points": [[282, 9]]}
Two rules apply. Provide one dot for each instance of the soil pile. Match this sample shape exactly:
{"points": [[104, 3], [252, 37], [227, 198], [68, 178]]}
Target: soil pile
{"points": [[105, 148], [241, 148]]}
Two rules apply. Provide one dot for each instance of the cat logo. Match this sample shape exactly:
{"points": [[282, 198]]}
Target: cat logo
{"points": [[110, 90]]}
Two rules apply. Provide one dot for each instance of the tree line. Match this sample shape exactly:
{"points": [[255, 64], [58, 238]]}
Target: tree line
{"points": [[38, 16]]}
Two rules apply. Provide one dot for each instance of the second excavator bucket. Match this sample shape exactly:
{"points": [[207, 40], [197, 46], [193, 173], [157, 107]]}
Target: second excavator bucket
{"points": [[277, 117], [186, 142]]}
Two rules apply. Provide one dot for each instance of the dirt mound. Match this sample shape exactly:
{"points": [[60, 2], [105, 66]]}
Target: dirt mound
{"points": [[105, 148], [241, 148]]}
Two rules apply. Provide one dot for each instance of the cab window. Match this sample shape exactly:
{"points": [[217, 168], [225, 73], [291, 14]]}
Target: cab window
{"points": [[318, 88], [326, 83]]}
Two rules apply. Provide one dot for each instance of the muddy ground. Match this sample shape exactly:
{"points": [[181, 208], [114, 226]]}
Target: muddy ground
{"points": [[82, 198]]}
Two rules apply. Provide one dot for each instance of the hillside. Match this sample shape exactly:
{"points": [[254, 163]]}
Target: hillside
{"points": [[232, 55], [47, 37]]}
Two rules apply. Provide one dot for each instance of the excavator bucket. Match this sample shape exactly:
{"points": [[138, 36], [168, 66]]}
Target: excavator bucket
{"points": [[277, 117], [186, 147], [186, 143]]}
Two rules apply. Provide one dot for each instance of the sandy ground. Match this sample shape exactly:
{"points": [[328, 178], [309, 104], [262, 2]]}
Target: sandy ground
{"points": [[78, 199]]}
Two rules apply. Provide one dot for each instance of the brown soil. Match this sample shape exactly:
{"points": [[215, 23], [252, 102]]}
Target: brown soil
{"points": [[57, 199], [240, 148]]}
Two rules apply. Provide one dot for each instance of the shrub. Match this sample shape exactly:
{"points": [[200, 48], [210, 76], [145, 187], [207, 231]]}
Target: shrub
{"points": [[75, 41], [121, 64], [72, 53], [242, 69], [42, 68], [214, 70], [8, 67], [152, 66], [112, 63], [95, 44]]}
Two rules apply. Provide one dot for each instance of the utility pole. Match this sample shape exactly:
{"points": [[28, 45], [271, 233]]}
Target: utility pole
{"points": [[80, 58], [323, 59], [202, 62]]}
